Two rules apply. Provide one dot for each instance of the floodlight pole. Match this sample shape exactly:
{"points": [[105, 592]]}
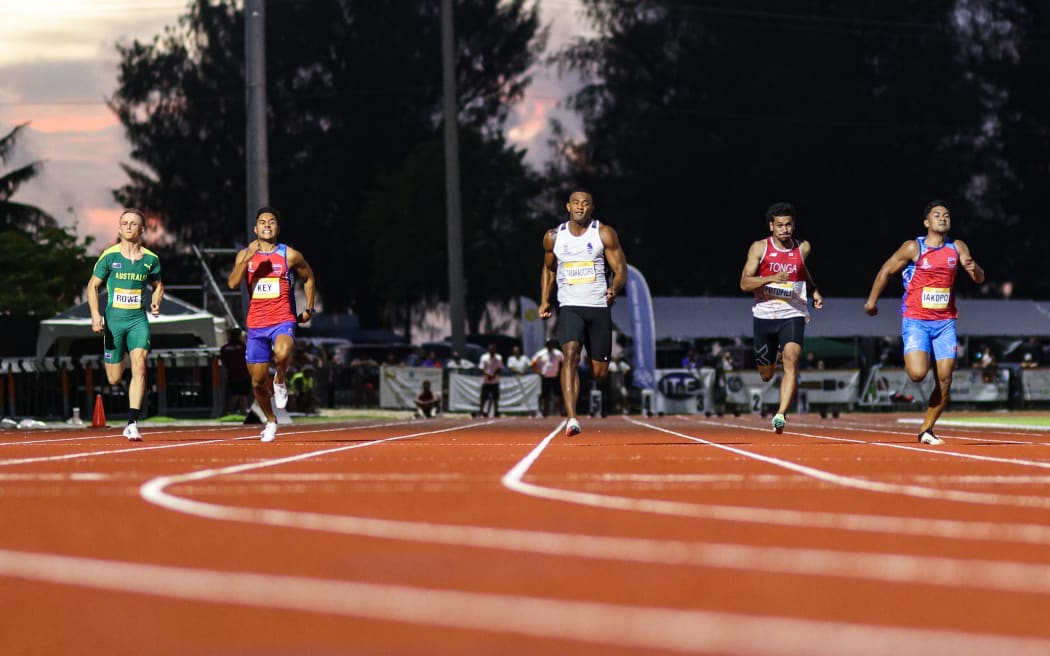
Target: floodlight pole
{"points": [[257, 182], [454, 218]]}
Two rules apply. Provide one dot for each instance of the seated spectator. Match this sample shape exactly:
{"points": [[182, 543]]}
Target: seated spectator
{"points": [[427, 404], [431, 360], [303, 391]]}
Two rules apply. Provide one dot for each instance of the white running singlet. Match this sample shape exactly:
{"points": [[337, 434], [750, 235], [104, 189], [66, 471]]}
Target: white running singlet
{"points": [[581, 267]]}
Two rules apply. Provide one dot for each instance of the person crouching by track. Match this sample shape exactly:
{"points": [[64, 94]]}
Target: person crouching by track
{"points": [[267, 267], [126, 268], [776, 272], [575, 257]]}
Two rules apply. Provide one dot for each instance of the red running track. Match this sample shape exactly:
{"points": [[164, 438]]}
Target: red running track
{"points": [[459, 536]]}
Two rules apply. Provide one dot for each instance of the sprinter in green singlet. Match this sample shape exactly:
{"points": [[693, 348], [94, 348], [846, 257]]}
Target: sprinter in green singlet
{"points": [[127, 268]]}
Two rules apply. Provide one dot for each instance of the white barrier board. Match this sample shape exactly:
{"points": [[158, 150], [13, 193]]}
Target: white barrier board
{"points": [[399, 386], [516, 393]]}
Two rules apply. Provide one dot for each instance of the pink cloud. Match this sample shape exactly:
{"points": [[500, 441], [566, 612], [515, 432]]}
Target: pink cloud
{"points": [[533, 115], [102, 223], [84, 118]]}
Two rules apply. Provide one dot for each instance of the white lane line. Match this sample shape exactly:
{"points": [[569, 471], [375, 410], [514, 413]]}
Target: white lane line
{"points": [[639, 627], [917, 491], [982, 436], [922, 527], [179, 445], [889, 445], [880, 567]]}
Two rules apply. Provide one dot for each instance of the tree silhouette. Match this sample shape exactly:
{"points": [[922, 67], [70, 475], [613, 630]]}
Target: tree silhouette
{"points": [[697, 116], [354, 90], [45, 268]]}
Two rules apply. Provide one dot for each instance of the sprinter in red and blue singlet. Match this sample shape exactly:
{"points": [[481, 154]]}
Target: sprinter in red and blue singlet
{"points": [[268, 267], [928, 265]]}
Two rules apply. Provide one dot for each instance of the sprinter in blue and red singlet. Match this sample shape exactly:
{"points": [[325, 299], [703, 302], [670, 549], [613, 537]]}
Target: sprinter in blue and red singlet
{"points": [[268, 267], [775, 272], [928, 310]]}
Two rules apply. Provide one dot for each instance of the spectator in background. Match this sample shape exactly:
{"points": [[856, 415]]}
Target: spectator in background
{"points": [[691, 361], [431, 360], [808, 362], [238, 380], [491, 364], [304, 390], [364, 376], [392, 361], [457, 361], [427, 404], [547, 363], [518, 363], [1031, 353], [618, 373]]}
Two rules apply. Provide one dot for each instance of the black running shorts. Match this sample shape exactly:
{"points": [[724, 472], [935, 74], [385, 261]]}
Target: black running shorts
{"points": [[772, 334], [590, 326]]}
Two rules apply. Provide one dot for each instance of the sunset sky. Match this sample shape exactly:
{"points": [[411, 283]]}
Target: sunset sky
{"points": [[58, 64]]}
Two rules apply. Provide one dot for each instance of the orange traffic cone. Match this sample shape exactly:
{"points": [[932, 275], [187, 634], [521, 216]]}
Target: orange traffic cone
{"points": [[98, 419]]}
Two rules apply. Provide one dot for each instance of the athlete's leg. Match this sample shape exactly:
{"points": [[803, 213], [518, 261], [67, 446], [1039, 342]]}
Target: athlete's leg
{"points": [[115, 372], [137, 388], [114, 345], [765, 347], [944, 343], [789, 383], [283, 350], [570, 377], [917, 365], [940, 395], [262, 388]]}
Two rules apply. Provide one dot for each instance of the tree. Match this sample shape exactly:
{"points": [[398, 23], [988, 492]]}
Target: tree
{"points": [[45, 267], [14, 215], [354, 88], [698, 116], [403, 221]]}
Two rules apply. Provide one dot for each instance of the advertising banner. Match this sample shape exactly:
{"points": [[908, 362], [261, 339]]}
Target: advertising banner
{"points": [[643, 328]]}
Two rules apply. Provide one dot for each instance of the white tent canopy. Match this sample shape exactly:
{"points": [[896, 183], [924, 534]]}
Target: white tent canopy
{"points": [[178, 320]]}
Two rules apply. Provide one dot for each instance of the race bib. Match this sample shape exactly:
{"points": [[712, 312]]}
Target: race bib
{"points": [[267, 288], [578, 273], [936, 298], [780, 290], [127, 299]]}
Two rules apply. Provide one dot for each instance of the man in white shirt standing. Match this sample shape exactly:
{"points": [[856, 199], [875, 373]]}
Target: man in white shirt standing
{"points": [[518, 363], [491, 364], [547, 363]]}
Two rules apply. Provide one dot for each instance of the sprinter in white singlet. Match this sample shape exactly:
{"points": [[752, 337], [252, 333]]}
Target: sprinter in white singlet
{"points": [[577, 255]]}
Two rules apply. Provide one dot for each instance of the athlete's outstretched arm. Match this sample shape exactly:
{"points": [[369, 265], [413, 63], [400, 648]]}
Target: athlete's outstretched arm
{"points": [[904, 255], [968, 263], [547, 274], [617, 261], [298, 264], [811, 285], [158, 296], [240, 265]]}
